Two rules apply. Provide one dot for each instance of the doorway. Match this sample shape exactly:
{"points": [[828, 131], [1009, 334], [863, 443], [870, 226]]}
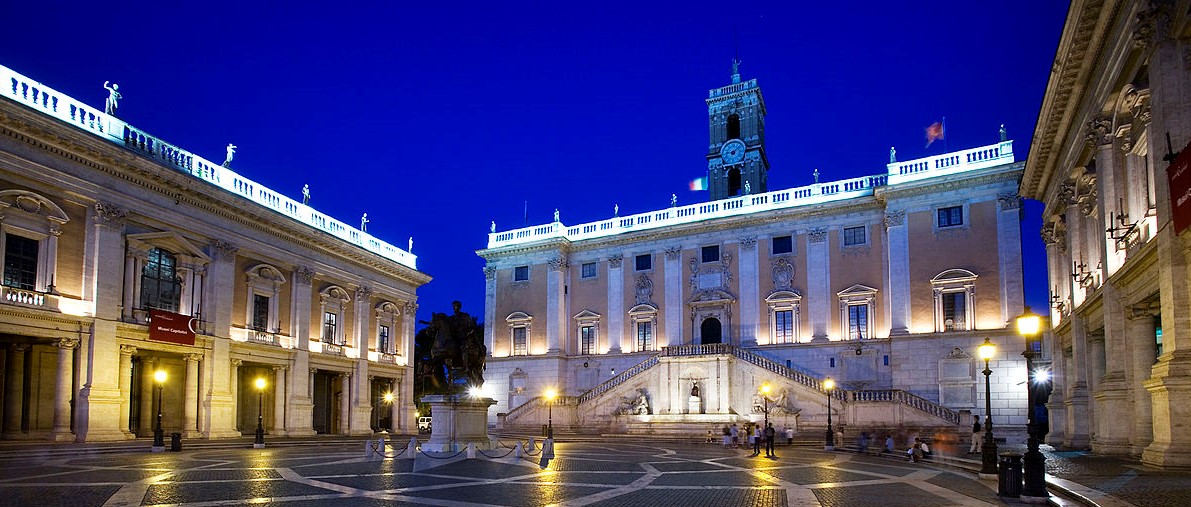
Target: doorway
{"points": [[710, 331]]}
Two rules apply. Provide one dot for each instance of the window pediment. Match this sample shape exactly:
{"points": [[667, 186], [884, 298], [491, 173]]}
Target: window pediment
{"points": [[334, 292], [954, 276], [169, 241], [386, 309], [587, 316], [783, 296], [265, 273], [32, 203], [518, 318], [857, 291], [643, 309]]}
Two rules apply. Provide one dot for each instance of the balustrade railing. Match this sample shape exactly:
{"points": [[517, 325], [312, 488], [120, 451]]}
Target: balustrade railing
{"points": [[897, 172], [908, 399], [618, 379], [37, 96], [25, 297]]}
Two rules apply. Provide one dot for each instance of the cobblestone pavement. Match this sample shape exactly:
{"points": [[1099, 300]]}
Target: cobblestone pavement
{"points": [[605, 474], [1126, 482]]}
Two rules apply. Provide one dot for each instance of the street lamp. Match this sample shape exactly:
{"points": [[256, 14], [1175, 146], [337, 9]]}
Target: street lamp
{"points": [[158, 436], [829, 444], [1029, 326], [260, 414], [388, 397], [550, 395], [765, 388], [988, 454]]}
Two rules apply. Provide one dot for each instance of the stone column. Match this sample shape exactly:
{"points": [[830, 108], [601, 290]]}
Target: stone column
{"points": [[399, 400], [1056, 405], [489, 311], [14, 395], [1170, 381], [345, 382], [63, 386], [1112, 396], [1140, 335], [615, 303], [130, 271], [279, 397], [190, 397], [148, 409], [749, 296], [818, 282], [361, 332], [556, 306], [1009, 263], [675, 335], [300, 301], [126, 352], [1078, 410], [898, 259], [235, 389]]}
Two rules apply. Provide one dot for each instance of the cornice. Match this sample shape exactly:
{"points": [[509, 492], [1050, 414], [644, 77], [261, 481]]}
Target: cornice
{"points": [[50, 136]]}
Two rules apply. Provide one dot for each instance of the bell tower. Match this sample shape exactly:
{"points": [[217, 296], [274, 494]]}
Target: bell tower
{"points": [[736, 161]]}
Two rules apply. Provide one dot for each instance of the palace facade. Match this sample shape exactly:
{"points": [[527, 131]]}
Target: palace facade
{"points": [[104, 226], [884, 283], [1116, 109]]}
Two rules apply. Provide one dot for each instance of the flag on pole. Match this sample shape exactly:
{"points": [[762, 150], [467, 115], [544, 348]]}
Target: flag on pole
{"points": [[699, 184], [933, 133]]}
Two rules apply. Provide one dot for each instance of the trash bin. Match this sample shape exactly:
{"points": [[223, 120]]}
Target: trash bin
{"points": [[1009, 477], [175, 442]]}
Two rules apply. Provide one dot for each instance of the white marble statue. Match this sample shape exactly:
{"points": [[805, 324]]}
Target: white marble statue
{"points": [[364, 223], [305, 194], [110, 105], [231, 153]]}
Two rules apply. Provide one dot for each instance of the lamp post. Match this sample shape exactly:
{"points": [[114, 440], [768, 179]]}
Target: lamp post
{"points": [[158, 436], [550, 395], [259, 443], [988, 454], [829, 443], [765, 388], [389, 401], [1029, 326]]}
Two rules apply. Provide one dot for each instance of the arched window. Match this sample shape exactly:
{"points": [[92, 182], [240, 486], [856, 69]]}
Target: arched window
{"points": [[733, 126], [160, 286], [734, 181]]}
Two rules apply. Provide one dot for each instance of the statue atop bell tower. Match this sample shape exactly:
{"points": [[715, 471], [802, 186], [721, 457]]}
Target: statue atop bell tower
{"points": [[736, 160]]}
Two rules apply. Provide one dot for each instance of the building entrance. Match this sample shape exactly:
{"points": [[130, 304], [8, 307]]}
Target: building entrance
{"points": [[710, 331]]}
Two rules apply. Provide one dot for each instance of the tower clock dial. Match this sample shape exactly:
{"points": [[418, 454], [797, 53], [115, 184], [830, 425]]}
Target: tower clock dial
{"points": [[732, 151]]}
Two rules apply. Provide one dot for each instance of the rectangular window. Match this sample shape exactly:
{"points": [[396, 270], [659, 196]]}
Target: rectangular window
{"points": [[520, 273], [954, 312], [382, 339], [520, 343], [644, 262], [260, 313], [951, 217], [711, 253], [783, 326], [644, 336], [330, 324], [783, 245], [857, 322], [20, 262], [588, 270], [587, 340], [854, 236]]}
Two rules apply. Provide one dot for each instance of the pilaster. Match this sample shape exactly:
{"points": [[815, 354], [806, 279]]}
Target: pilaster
{"points": [[615, 303], [1009, 262], [556, 304], [675, 334], [818, 282], [898, 260], [749, 295]]}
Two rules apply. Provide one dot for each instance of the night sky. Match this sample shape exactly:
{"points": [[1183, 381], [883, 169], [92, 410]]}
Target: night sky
{"points": [[437, 118]]}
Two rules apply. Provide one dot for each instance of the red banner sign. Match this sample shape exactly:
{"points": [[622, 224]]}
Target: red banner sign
{"points": [[171, 327], [1178, 175]]}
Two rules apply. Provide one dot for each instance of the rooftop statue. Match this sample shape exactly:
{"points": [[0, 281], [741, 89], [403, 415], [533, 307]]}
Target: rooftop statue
{"points": [[231, 153], [110, 105], [892, 154], [364, 223], [305, 194]]}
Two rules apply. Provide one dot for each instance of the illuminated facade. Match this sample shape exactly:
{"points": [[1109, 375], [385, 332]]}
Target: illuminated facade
{"points": [[1116, 107], [102, 224], [885, 283]]}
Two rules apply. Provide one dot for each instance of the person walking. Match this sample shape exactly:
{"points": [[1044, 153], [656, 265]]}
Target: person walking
{"points": [[977, 445], [789, 435], [888, 443], [770, 433], [735, 432], [757, 440]]}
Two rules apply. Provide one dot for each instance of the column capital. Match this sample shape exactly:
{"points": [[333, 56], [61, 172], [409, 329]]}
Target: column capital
{"points": [[489, 273], [127, 350], [615, 260], [66, 343], [192, 358], [237, 362], [816, 234], [895, 217], [748, 243], [279, 368], [108, 214], [20, 347]]}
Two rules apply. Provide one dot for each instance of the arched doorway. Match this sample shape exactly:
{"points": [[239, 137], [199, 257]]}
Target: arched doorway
{"points": [[710, 331]]}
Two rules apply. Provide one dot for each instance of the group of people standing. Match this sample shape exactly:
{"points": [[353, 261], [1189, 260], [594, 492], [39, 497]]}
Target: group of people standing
{"points": [[758, 436]]}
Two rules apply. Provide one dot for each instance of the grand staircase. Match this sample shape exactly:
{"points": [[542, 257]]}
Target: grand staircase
{"points": [[895, 405]]}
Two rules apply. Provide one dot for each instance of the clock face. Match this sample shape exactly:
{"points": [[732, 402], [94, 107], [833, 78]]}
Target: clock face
{"points": [[733, 151]]}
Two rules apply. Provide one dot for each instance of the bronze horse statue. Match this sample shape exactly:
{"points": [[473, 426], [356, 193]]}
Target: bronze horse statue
{"points": [[458, 346]]}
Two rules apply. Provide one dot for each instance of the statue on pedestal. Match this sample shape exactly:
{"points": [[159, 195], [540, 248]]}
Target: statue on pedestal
{"points": [[112, 102], [458, 344]]}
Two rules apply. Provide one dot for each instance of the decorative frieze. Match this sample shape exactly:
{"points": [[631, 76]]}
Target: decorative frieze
{"points": [[895, 217], [816, 234]]}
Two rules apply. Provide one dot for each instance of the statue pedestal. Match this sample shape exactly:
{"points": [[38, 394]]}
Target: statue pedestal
{"points": [[458, 420], [694, 405]]}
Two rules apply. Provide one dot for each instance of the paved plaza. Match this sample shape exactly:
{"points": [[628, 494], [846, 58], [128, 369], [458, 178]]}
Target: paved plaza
{"points": [[600, 473]]}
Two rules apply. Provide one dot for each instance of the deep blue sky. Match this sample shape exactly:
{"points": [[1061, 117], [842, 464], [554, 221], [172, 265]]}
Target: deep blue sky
{"points": [[436, 118]]}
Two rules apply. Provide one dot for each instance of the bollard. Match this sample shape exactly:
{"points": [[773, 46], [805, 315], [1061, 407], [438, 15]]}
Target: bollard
{"points": [[368, 449], [381, 449], [532, 445], [411, 450], [471, 450], [518, 450]]}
